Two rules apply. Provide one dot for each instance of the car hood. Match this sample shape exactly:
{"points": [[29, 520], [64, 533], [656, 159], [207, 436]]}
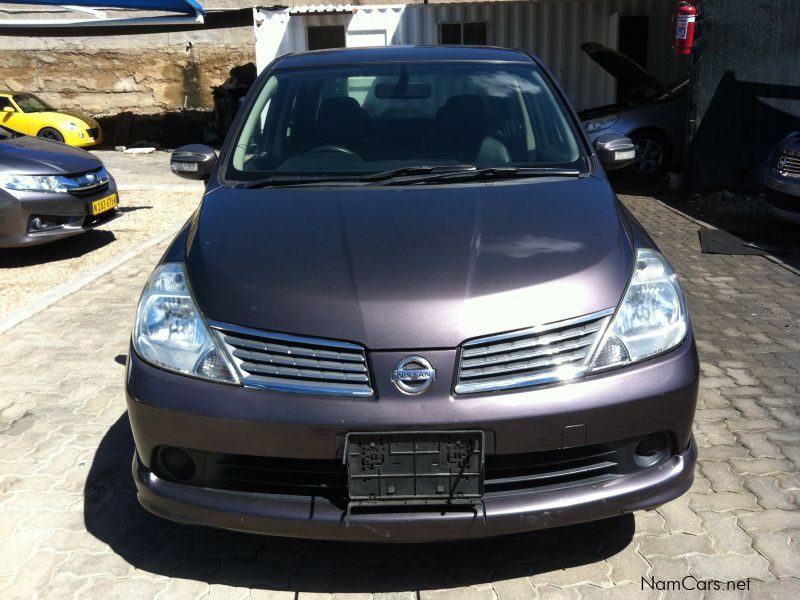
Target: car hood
{"points": [[632, 77], [790, 144], [82, 119], [422, 267], [28, 155]]}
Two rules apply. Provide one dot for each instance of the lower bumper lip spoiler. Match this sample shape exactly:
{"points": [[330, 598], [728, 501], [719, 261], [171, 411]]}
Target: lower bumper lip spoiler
{"points": [[316, 518]]}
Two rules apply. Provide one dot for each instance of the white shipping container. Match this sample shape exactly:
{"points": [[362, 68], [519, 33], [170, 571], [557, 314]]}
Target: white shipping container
{"points": [[552, 29]]}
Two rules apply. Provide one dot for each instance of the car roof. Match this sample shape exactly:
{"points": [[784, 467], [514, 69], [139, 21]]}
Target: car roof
{"points": [[350, 56]]}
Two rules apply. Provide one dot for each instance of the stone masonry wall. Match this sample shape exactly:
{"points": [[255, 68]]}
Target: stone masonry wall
{"points": [[146, 74]]}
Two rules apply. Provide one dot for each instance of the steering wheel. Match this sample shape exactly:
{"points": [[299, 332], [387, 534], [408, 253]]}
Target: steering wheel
{"points": [[332, 148]]}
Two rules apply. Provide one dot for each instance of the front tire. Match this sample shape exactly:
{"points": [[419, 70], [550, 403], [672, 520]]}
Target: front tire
{"points": [[652, 154], [50, 133]]}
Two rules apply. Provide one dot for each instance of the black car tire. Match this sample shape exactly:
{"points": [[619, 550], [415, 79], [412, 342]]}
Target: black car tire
{"points": [[654, 148], [50, 133]]}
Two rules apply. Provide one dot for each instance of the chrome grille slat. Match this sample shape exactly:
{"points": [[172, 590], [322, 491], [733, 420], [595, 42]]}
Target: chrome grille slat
{"points": [[269, 347], [302, 373], [331, 388], [528, 365], [530, 356], [790, 166], [267, 358], [300, 364], [522, 355], [529, 342]]}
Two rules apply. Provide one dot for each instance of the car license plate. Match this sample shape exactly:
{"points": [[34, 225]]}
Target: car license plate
{"points": [[104, 204], [408, 466]]}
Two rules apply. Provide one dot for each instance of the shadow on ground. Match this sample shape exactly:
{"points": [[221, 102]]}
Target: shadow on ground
{"points": [[742, 215], [72, 247], [113, 515]]}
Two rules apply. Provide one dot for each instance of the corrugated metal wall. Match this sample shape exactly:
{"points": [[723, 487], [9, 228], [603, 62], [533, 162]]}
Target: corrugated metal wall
{"points": [[745, 90], [552, 29]]}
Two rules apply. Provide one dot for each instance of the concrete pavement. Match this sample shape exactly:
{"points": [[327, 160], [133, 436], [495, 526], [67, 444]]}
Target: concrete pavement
{"points": [[70, 525]]}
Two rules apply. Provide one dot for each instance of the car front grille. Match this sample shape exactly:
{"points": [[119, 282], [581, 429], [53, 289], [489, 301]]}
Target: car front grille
{"points": [[88, 183], [291, 363], [531, 356], [89, 190], [93, 132], [504, 474], [557, 469], [281, 476], [787, 164]]}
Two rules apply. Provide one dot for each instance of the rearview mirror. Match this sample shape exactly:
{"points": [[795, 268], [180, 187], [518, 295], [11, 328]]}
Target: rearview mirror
{"points": [[615, 151], [402, 91], [8, 109], [195, 161]]}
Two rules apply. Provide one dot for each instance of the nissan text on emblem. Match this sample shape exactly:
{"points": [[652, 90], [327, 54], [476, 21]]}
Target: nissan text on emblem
{"points": [[413, 375]]}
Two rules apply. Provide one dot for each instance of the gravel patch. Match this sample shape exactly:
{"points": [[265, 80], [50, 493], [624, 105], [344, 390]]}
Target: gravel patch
{"points": [[27, 272]]}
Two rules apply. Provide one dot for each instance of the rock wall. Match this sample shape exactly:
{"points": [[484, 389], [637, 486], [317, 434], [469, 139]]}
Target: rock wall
{"points": [[145, 74]]}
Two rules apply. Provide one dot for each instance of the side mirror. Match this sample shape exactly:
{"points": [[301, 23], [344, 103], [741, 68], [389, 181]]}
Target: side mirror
{"points": [[615, 151], [8, 109], [194, 161]]}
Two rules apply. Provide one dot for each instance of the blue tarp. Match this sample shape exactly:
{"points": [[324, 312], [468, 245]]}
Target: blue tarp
{"points": [[190, 7]]}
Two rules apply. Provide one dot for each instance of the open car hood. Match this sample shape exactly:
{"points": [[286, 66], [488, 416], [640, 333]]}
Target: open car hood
{"points": [[632, 77]]}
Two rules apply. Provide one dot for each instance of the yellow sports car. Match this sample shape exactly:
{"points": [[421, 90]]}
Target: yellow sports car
{"points": [[28, 114]]}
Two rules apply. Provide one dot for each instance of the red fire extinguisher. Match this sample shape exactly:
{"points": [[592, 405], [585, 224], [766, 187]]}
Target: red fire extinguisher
{"points": [[684, 21]]}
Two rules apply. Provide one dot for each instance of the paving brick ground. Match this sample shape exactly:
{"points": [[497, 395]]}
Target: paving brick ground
{"points": [[70, 524]]}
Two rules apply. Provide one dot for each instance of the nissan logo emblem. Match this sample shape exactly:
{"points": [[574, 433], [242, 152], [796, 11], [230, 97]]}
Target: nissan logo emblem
{"points": [[413, 375]]}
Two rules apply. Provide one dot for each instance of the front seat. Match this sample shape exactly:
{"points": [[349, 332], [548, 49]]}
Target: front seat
{"points": [[340, 122], [462, 133]]}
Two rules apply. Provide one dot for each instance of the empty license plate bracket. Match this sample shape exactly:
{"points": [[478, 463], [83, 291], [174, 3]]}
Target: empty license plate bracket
{"points": [[408, 468]]}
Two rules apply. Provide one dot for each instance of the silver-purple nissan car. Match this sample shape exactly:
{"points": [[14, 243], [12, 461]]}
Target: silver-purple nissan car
{"points": [[409, 308]]}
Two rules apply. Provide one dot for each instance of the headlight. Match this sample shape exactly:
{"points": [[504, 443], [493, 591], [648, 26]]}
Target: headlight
{"points": [[651, 317], [600, 123], [33, 183], [170, 332], [72, 126]]}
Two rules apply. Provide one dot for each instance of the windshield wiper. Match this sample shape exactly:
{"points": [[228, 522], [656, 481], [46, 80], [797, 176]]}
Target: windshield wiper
{"points": [[413, 175], [290, 180], [416, 170], [488, 173]]}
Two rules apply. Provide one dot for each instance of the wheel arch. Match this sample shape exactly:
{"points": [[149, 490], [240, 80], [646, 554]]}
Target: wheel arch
{"points": [[662, 133]]}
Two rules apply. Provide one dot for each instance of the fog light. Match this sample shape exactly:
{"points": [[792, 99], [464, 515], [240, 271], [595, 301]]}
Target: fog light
{"points": [[177, 464], [651, 450], [46, 223]]}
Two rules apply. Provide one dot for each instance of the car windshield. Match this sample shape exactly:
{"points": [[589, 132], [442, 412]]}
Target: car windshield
{"points": [[30, 103], [378, 118]]}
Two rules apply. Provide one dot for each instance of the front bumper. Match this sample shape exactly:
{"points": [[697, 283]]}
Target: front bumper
{"points": [[500, 516], [781, 196], [71, 213], [656, 396], [73, 138]]}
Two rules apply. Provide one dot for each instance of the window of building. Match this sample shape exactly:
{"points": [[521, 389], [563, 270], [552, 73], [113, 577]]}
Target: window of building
{"points": [[473, 34], [325, 36]]}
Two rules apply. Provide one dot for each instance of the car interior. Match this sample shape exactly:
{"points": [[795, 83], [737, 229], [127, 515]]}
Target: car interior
{"points": [[361, 124]]}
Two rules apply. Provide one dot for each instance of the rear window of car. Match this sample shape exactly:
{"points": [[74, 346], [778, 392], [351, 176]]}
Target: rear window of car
{"points": [[373, 117]]}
